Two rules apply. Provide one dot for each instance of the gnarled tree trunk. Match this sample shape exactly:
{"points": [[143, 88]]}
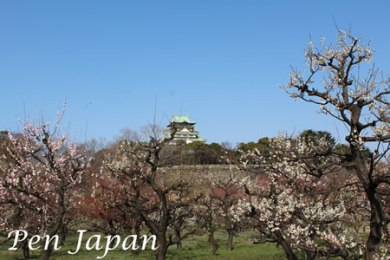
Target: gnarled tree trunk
{"points": [[162, 249], [286, 246], [376, 209]]}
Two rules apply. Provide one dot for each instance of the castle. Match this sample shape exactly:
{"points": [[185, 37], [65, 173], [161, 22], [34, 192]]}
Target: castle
{"points": [[183, 129]]}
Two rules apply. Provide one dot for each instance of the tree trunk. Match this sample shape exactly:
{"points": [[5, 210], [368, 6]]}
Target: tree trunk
{"points": [[288, 250], [213, 243], [310, 255], [376, 219], [162, 249], [26, 251], [47, 253], [376, 226], [179, 245], [286, 247], [58, 225], [230, 240], [136, 229], [161, 253]]}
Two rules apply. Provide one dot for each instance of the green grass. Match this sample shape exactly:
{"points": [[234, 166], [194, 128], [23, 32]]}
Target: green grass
{"points": [[195, 247]]}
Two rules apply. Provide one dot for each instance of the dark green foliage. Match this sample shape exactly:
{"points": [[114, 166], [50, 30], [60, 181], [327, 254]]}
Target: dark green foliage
{"points": [[202, 153], [310, 135], [3, 134], [261, 145]]}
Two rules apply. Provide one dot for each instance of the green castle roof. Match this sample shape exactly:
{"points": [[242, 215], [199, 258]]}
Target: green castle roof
{"points": [[182, 119]]}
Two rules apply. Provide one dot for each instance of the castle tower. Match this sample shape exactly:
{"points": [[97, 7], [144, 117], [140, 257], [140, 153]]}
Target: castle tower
{"points": [[183, 129]]}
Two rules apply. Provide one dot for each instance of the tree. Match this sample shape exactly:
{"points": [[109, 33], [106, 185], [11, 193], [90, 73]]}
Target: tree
{"points": [[182, 220], [105, 209], [231, 205], [41, 173], [362, 105], [293, 203], [139, 168], [206, 218]]}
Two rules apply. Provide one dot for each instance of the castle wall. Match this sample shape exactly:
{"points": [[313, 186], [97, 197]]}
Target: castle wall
{"points": [[202, 175]]}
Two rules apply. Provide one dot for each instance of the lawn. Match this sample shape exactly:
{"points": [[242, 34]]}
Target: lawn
{"points": [[193, 248]]}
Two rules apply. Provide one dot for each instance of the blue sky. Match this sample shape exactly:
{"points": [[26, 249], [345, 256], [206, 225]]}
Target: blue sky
{"points": [[220, 62]]}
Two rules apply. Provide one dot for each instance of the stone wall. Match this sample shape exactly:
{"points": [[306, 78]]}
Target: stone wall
{"points": [[202, 175]]}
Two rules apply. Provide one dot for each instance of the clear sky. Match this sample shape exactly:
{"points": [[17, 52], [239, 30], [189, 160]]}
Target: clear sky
{"points": [[220, 62]]}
